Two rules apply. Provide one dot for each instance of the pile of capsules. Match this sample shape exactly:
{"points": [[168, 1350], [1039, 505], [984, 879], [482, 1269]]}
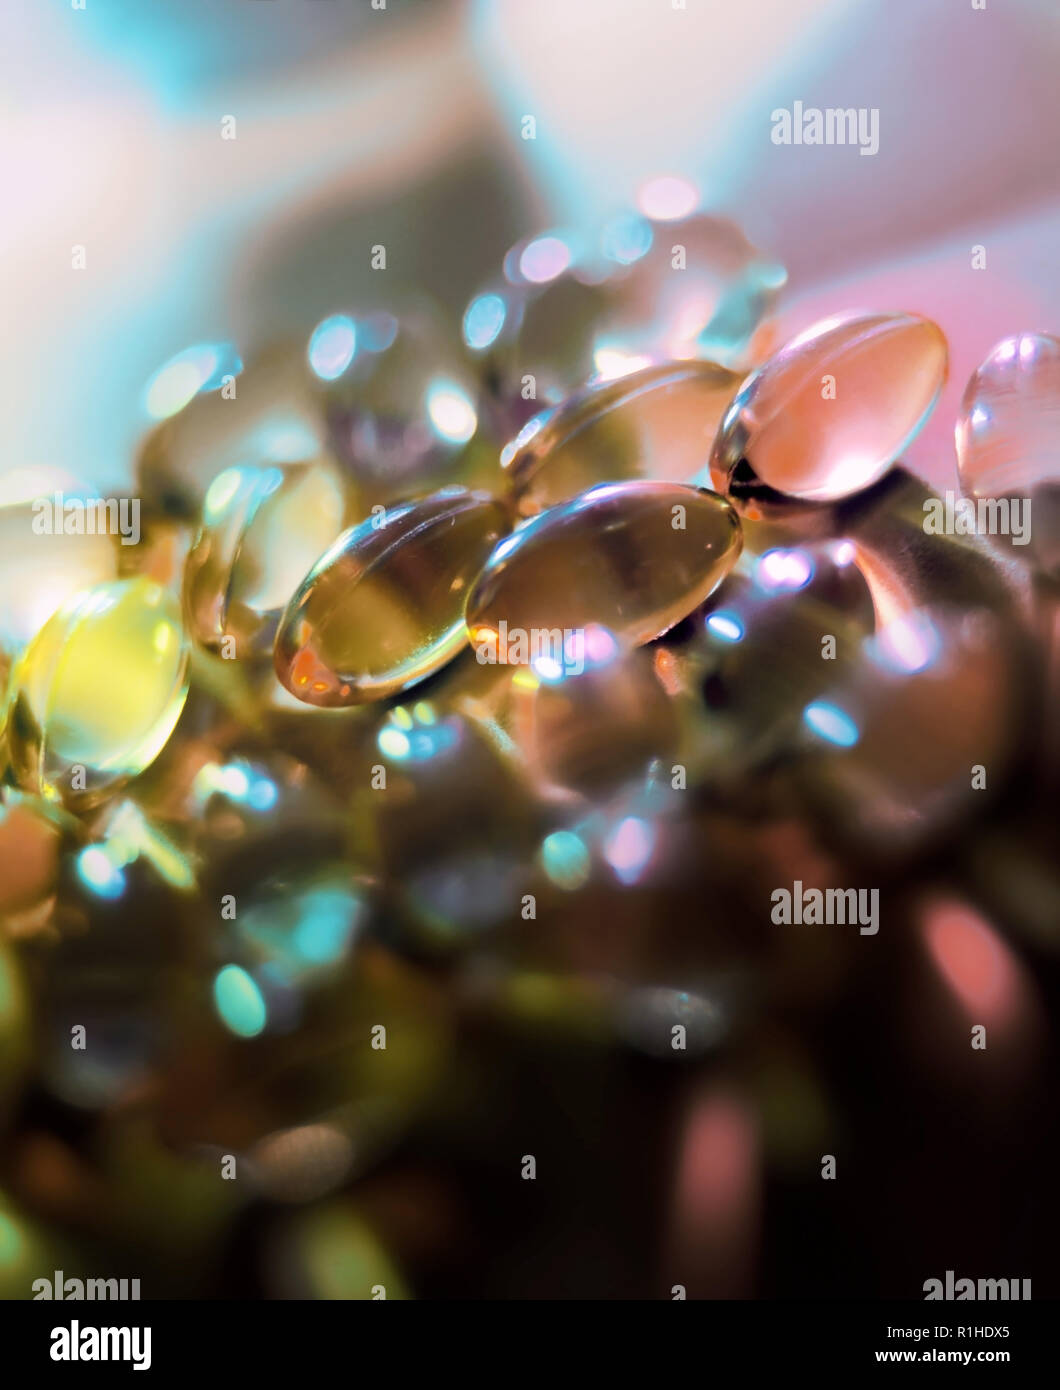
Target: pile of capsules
{"points": [[437, 643]]}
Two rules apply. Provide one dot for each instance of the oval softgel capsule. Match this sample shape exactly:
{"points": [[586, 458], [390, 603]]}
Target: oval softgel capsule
{"points": [[658, 423], [832, 410], [95, 696], [1008, 448], [262, 529], [383, 607], [631, 557]]}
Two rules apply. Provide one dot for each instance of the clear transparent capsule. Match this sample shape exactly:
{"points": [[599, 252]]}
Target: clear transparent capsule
{"points": [[633, 558], [903, 739], [97, 693], [1008, 447], [399, 401], [262, 530], [533, 334], [265, 415], [692, 287], [658, 422], [831, 411], [450, 877], [383, 607], [774, 637], [597, 726]]}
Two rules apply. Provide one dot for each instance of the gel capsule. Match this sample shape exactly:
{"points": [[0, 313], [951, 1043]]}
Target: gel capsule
{"points": [[534, 332], [694, 286], [97, 693], [828, 414], [262, 530], [1008, 445], [383, 608], [400, 404], [632, 557], [658, 422], [264, 416]]}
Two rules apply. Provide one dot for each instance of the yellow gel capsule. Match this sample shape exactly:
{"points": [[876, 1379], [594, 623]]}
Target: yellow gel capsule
{"points": [[658, 422], [383, 608], [631, 557], [262, 530], [97, 693], [831, 411]]}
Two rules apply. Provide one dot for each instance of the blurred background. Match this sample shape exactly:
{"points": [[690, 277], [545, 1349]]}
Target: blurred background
{"points": [[403, 126], [357, 127]]}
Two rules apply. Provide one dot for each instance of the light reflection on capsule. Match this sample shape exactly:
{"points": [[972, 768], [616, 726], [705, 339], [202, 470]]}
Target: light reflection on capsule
{"points": [[629, 847], [831, 723], [332, 346], [483, 320]]}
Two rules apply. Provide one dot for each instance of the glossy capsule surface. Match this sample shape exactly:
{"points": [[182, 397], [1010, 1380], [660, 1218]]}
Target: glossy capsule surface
{"points": [[99, 689], [383, 607], [656, 423], [631, 557], [832, 410], [262, 529], [692, 286], [1008, 444], [265, 415]]}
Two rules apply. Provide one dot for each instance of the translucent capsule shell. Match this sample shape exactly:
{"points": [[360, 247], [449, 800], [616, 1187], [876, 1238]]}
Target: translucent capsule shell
{"points": [[832, 410], [266, 415], [657, 423], [100, 688], [1008, 443], [40, 571], [401, 404], [632, 557], [383, 607], [262, 531], [700, 288]]}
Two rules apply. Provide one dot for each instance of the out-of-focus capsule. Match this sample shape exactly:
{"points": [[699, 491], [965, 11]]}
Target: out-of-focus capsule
{"points": [[263, 416], [42, 564], [27, 1251], [1008, 449], [262, 529], [774, 637], [698, 288], [448, 878], [828, 414], [596, 724], [97, 693], [658, 422], [383, 607], [533, 332], [909, 739], [399, 401], [14, 1025], [30, 840], [329, 1252], [632, 557]]}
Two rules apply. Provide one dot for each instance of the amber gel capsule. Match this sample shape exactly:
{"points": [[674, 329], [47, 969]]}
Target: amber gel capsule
{"points": [[632, 557], [832, 410], [383, 607], [97, 693], [658, 422]]}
